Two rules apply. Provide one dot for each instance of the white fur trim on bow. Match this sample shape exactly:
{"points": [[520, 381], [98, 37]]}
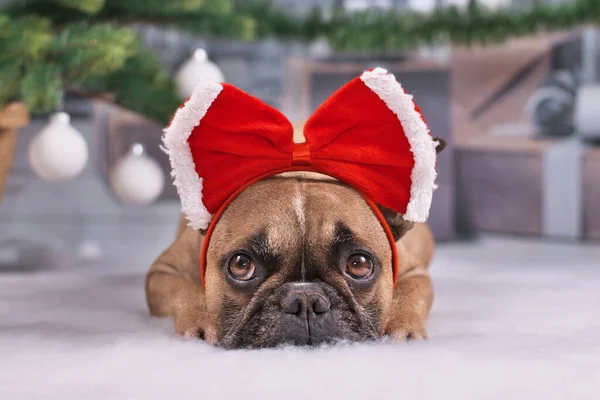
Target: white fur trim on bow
{"points": [[422, 145], [175, 140]]}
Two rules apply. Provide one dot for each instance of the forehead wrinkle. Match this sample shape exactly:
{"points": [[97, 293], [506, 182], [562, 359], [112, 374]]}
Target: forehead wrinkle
{"points": [[330, 204], [282, 232], [286, 218], [327, 205], [259, 244], [343, 235], [300, 210]]}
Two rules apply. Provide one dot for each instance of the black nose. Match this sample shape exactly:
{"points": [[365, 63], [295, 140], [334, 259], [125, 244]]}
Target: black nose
{"points": [[307, 315], [304, 300]]}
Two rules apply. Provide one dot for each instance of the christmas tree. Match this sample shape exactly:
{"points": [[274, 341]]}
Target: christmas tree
{"points": [[88, 47]]}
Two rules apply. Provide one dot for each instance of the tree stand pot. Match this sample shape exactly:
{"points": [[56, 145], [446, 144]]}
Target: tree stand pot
{"points": [[12, 117]]}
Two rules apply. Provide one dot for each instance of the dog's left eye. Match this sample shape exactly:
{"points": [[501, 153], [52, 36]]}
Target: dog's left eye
{"points": [[360, 266], [241, 267]]}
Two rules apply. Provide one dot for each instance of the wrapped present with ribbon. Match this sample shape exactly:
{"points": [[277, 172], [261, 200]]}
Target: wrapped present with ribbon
{"points": [[526, 127], [529, 185], [541, 177]]}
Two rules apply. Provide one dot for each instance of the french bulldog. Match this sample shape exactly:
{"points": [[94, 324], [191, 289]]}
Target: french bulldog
{"points": [[298, 259], [300, 242]]}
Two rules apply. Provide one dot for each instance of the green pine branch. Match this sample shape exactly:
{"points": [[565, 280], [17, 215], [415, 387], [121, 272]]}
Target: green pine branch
{"points": [[85, 6], [93, 50], [85, 46], [37, 64], [141, 85], [42, 87]]}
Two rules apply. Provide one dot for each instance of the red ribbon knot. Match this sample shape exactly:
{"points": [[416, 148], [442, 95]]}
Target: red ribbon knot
{"points": [[301, 154]]}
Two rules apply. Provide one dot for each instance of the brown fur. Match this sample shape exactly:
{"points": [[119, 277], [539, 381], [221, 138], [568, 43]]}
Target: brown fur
{"points": [[297, 213]]}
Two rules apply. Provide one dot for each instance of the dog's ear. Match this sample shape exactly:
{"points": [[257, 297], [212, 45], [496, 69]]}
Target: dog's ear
{"points": [[183, 225], [440, 145], [398, 225]]}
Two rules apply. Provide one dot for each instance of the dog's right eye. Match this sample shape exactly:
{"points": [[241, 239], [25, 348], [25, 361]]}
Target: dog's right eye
{"points": [[360, 266], [241, 267]]}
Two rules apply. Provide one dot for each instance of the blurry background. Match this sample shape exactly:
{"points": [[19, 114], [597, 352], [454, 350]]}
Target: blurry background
{"points": [[511, 85]]}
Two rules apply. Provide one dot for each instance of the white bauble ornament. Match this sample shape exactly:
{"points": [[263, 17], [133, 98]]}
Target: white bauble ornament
{"points": [[59, 152], [137, 178], [193, 70]]}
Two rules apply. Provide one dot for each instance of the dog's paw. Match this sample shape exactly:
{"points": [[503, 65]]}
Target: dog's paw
{"points": [[407, 334], [196, 332], [192, 324], [188, 329]]}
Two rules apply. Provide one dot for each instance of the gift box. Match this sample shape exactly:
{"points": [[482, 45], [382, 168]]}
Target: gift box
{"points": [[591, 196], [522, 166], [529, 185]]}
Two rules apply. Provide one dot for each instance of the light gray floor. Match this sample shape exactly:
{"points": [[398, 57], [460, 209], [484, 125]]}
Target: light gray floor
{"points": [[512, 318]]}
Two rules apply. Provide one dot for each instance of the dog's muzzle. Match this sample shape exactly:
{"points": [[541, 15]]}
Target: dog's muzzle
{"points": [[306, 315]]}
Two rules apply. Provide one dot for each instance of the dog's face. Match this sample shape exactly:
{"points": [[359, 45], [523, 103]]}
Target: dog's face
{"points": [[299, 259]]}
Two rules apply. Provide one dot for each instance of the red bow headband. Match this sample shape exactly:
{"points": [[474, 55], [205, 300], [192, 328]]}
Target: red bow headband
{"points": [[369, 134]]}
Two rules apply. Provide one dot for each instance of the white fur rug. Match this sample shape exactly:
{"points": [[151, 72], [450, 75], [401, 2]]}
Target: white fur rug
{"points": [[512, 320]]}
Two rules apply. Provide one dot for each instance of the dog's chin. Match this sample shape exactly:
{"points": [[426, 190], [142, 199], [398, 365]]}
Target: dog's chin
{"points": [[260, 334]]}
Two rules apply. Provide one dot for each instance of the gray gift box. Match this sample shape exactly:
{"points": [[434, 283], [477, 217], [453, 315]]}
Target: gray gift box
{"points": [[530, 186]]}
